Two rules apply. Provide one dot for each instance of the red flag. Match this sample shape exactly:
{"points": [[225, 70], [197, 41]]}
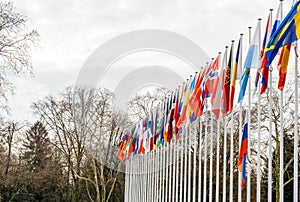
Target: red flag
{"points": [[226, 85], [233, 78], [283, 65], [241, 164], [121, 154]]}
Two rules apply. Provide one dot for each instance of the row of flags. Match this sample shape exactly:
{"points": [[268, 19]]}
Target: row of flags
{"points": [[214, 88]]}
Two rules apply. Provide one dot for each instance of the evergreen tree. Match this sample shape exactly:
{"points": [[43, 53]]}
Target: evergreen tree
{"points": [[42, 171]]}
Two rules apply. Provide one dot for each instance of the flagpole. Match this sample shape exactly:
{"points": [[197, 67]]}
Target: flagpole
{"points": [[224, 145], [240, 128], [185, 162], [160, 173], [194, 164], [156, 174], [189, 161], [177, 169], [150, 163], [174, 171], [170, 170], [205, 162], [296, 126], [249, 121], [166, 161], [181, 167], [218, 150], [200, 160], [231, 141], [258, 177], [130, 180], [270, 128], [211, 158], [126, 182]]}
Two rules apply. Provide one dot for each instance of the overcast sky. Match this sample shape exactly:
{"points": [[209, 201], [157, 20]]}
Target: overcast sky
{"points": [[71, 30]]}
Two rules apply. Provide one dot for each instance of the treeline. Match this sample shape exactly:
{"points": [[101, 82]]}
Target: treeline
{"points": [[69, 154]]}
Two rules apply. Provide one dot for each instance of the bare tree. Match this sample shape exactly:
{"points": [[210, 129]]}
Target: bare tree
{"points": [[141, 106], [86, 128], [15, 45]]}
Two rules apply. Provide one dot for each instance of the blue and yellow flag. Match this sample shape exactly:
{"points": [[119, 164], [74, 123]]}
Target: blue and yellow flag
{"points": [[287, 32]]}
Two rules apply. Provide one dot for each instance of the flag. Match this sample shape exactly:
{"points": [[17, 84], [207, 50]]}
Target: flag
{"points": [[252, 61], [264, 65], [282, 65], [252, 58], [216, 98], [226, 85], [176, 115], [243, 84], [241, 164], [185, 111], [196, 98], [120, 154], [233, 77], [287, 32], [211, 79]]}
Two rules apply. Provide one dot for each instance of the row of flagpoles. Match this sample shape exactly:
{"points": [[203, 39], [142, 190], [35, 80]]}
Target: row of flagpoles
{"points": [[157, 145]]}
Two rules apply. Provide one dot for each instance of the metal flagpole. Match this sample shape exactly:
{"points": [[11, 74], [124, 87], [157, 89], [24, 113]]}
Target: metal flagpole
{"points": [[174, 172], [126, 182], [137, 174], [166, 168], [171, 179], [160, 173], [129, 180], [181, 167], [150, 163], [205, 162], [225, 145], [281, 143], [190, 161], [296, 126], [224, 159], [194, 164], [218, 151], [185, 163], [134, 184], [200, 160], [147, 185], [156, 173], [177, 170], [240, 125], [258, 177], [218, 162], [163, 172], [270, 128], [231, 141], [249, 121], [211, 158]]}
